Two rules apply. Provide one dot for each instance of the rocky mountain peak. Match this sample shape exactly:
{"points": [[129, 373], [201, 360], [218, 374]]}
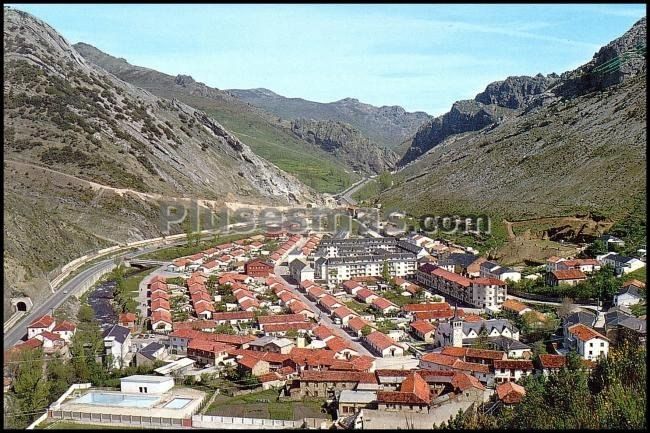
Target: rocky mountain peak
{"points": [[184, 80]]}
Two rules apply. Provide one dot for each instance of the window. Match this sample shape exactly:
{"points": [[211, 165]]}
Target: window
{"points": [[602, 344], [590, 352], [591, 344]]}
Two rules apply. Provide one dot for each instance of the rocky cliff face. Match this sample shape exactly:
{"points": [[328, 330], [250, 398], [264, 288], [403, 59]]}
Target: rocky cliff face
{"points": [[73, 130], [264, 133], [387, 126], [347, 144], [619, 60]]}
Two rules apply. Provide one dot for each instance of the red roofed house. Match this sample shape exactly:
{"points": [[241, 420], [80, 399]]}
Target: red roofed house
{"points": [[42, 324], [329, 303], [50, 340], [256, 367], [570, 277], [356, 324], [366, 295], [161, 321], [384, 306], [423, 330], [488, 292], [207, 352], [352, 287], [65, 330], [299, 307], [511, 370], [280, 318], [258, 268], [204, 309], [510, 393], [324, 383], [515, 306], [383, 345], [233, 317], [128, 320], [343, 314], [414, 396], [588, 343]]}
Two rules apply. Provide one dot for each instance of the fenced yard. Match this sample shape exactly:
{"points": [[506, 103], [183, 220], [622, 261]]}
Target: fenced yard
{"points": [[264, 404]]}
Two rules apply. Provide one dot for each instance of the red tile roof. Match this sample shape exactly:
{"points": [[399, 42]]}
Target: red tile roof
{"points": [[471, 352], [383, 303], [440, 359], [514, 364], [127, 318], [343, 312], [281, 318], [281, 327], [435, 306], [380, 340], [203, 306], [414, 384], [338, 376], [489, 281], [161, 316], [208, 346], [322, 332], [298, 307], [337, 344], [357, 323], [365, 293], [585, 333], [50, 336], [195, 324], [233, 315], [422, 326], [350, 285], [42, 322], [159, 303], [450, 276], [69, 326], [248, 361], [464, 381], [569, 274], [516, 306], [329, 301], [552, 361], [510, 392]]}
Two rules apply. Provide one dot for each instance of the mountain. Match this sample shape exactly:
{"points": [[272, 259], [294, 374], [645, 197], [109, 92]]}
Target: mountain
{"points": [[616, 61], [566, 145], [387, 125], [88, 158], [269, 138], [347, 144]]}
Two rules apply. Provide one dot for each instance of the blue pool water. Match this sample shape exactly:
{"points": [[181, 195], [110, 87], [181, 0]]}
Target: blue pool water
{"points": [[122, 400], [177, 403]]}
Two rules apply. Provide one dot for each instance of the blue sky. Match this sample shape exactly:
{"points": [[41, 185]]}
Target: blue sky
{"points": [[422, 57]]}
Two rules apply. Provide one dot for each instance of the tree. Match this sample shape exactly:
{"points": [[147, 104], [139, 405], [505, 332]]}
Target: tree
{"points": [[565, 308], [385, 180], [60, 376], [385, 271], [30, 387], [598, 247], [366, 330], [85, 314], [482, 341], [292, 333]]}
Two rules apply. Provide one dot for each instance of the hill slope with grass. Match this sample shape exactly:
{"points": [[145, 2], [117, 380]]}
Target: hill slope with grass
{"points": [[268, 136]]}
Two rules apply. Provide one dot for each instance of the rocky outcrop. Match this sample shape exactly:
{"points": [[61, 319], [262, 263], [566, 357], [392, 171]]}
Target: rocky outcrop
{"points": [[619, 60], [347, 144], [388, 126]]}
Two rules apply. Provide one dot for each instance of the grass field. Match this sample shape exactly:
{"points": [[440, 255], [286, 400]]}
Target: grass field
{"points": [[255, 406], [639, 274]]}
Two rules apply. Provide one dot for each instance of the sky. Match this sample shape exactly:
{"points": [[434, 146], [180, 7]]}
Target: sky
{"points": [[422, 57]]}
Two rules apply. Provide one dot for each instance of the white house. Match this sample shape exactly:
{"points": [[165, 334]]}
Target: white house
{"points": [[383, 345], [117, 344], [628, 295], [510, 370], [621, 264], [587, 342], [44, 323], [146, 384], [494, 270], [65, 330]]}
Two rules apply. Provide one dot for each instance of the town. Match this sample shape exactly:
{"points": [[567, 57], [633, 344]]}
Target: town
{"points": [[321, 330]]}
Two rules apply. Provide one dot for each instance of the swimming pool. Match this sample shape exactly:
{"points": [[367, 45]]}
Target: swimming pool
{"points": [[177, 403], [116, 399]]}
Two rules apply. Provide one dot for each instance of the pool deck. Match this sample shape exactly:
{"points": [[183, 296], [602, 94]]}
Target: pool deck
{"points": [[157, 410]]}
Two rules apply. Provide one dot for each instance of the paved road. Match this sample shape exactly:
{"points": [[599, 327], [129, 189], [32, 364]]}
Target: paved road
{"points": [[347, 194], [19, 330]]}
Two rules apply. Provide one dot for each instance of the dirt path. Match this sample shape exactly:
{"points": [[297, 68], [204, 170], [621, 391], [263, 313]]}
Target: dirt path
{"points": [[511, 233]]}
